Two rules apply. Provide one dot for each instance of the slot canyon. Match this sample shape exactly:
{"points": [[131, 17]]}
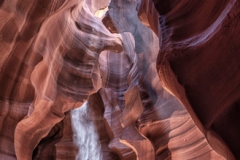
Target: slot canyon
{"points": [[119, 79]]}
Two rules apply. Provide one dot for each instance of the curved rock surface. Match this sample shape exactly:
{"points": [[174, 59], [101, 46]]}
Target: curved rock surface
{"points": [[199, 64], [76, 83]]}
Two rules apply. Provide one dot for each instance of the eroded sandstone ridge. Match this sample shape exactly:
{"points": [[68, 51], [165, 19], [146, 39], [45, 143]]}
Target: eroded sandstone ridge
{"points": [[76, 83], [199, 63]]}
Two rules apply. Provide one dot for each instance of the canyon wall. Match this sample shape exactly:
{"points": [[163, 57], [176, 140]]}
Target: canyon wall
{"points": [[79, 83], [199, 64]]}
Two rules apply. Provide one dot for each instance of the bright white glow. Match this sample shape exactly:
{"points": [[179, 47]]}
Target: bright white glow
{"points": [[100, 13], [85, 135]]}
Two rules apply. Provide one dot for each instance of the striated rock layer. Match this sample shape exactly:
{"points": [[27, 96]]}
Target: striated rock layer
{"points": [[76, 83], [199, 64]]}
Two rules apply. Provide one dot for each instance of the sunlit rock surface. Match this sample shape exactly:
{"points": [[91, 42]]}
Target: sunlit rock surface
{"points": [[76, 83]]}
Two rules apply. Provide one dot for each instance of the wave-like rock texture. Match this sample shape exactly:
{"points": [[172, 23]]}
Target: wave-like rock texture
{"points": [[78, 86], [68, 73], [19, 23], [199, 64]]}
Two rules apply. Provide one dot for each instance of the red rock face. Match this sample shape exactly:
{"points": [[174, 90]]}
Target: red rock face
{"points": [[199, 64], [78, 86]]}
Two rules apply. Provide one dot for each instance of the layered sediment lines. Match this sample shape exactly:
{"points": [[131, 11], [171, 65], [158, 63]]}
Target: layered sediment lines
{"points": [[78, 86], [199, 64]]}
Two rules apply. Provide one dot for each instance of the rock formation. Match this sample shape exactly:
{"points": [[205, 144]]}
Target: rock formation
{"points": [[199, 64], [79, 83]]}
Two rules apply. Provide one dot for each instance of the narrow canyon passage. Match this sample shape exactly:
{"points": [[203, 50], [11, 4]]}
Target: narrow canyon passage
{"points": [[119, 79]]}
